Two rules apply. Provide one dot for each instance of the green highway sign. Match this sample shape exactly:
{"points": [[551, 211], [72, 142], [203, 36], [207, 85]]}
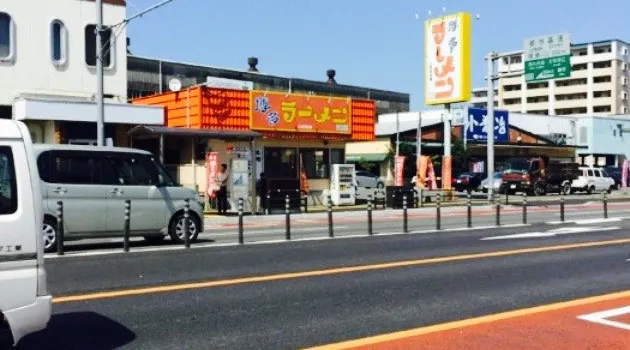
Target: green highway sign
{"points": [[547, 57], [548, 68]]}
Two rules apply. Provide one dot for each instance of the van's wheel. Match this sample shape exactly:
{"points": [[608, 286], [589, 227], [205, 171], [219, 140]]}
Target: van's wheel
{"points": [[610, 189], [49, 234], [539, 191], [6, 338], [176, 229], [590, 190]]}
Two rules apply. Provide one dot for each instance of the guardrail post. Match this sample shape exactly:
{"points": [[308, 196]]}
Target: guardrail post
{"points": [[186, 222], [498, 208], [331, 233], [127, 226], [369, 214], [605, 205], [438, 213], [241, 237], [524, 208], [469, 211], [562, 207], [405, 219], [421, 198], [59, 231], [287, 212], [507, 197], [267, 207]]}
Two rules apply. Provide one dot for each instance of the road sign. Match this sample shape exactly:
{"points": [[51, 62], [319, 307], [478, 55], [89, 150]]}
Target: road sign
{"points": [[476, 126], [547, 57], [457, 117]]}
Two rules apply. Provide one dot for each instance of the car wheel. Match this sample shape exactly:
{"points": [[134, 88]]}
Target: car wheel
{"points": [[610, 189], [380, 185], [49, 234], [590, 190], [566, 189], [176, 229]]}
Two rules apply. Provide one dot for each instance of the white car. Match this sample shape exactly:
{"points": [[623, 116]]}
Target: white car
{"points": [[369, 180], [592, 180]]}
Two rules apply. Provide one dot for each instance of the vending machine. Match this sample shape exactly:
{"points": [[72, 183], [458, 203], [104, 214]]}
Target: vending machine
{"points": [[342, 180]]}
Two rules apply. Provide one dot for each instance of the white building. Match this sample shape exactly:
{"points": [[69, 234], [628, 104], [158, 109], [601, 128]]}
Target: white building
{"points": [[48, 68], [598, 85]]}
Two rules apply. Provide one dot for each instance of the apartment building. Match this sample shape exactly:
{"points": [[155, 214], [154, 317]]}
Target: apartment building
{"points": [[598, 85]]}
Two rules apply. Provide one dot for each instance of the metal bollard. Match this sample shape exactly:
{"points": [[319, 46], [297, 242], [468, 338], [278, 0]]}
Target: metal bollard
{"points": [[405, 218], [562, 207], [287, 212], [507, 197], [127, 232], [59, 237], [524, 208], [186, 222], [438, 213], [605, 205], [331, 233], [498, 208], [369, 214], [241, 237], [469, 211], [267, 208]]}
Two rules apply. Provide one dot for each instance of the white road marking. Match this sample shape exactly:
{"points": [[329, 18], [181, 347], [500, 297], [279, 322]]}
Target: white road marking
{"points": [[552, 233], [457, 229], [602, 317], [588, 221]]}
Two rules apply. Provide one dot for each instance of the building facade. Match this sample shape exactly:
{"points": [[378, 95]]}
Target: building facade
{"points": [[598, 85], [48, 70], [148, 76]]}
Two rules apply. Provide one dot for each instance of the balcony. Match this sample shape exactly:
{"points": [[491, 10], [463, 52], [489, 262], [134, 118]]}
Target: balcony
{"points": [[537, 106], [511, 94], [576, 103]]}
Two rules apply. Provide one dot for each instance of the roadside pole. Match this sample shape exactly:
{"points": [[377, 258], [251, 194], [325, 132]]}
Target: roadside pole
{"points": [[490, 125]]}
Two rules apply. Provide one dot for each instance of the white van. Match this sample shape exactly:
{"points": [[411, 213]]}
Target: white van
{"points": [[93, 184], [593, 180], [25, 304]]}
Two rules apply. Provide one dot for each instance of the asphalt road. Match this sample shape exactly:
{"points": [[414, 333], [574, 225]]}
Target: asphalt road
{"points": [[234, 297]]}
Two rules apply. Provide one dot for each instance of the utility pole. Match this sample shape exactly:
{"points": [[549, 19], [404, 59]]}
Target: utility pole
{"points": [[397, 135], [490, 125], [100, 108], [100, 29]]}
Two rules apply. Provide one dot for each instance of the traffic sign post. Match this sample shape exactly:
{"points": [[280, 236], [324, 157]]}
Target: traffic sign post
{"points": [[547, 57]]}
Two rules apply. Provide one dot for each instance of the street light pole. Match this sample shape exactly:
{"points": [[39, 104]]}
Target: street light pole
{"points": [[100, 108]]}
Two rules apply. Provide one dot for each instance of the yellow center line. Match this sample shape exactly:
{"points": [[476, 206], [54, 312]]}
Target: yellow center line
{"points": [[374, 341], [324, 272]]}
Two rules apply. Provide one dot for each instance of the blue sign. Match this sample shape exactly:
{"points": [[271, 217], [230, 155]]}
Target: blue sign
{"points": [[476, 129]]}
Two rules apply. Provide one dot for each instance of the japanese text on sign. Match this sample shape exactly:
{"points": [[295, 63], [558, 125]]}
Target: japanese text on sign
{"points": [[477, 125], [447, 59], [292, 112]]}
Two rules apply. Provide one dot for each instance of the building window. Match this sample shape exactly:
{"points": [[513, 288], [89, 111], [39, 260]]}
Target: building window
{"points": [[280, 162], [7, 37], [315, 162], [90, 46], [601, 109], [58, 42]]}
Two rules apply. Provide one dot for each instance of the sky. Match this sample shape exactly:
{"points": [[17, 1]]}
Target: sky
{"points": [[370, 43]]}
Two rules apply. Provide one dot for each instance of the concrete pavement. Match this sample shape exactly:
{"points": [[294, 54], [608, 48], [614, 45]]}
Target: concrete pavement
{"points": [[312, 293]]}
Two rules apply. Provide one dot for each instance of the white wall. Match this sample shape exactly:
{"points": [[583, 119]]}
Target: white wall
{"points": [[32, 70]]}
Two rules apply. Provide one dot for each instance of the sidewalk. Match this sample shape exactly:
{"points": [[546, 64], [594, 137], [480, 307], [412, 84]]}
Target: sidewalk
{"points": [[460, 201]]}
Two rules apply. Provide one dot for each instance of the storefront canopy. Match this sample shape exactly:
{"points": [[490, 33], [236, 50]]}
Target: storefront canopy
{"points": [[226, 135]]}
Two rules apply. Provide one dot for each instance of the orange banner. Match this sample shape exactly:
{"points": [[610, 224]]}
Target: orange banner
{"points": [[279, 111], [447, 166], [400, 167]]}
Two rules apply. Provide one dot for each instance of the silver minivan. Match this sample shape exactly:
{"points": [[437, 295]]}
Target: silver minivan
{"points": [[93, 184]]}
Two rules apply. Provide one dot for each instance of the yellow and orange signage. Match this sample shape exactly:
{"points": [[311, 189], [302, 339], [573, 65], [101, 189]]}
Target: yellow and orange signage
{"points": [[279, 111], [447, 59]]}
